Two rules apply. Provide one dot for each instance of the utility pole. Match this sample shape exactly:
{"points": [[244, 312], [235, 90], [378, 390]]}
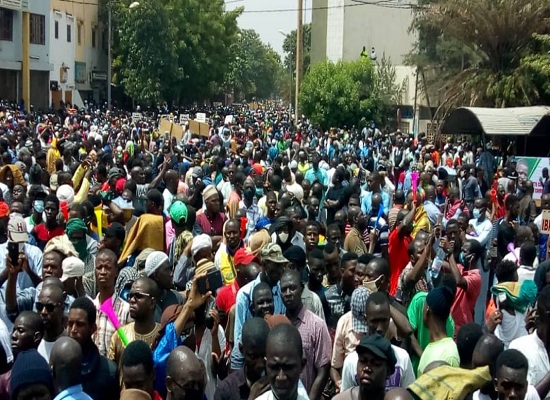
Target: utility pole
{"points": [[299, 55], [109, 56]]}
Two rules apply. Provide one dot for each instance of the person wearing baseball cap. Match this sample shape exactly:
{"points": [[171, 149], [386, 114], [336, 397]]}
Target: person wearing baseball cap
{"points": [[73, 271], [377, 321], [159, 269], [376, 362], [247, 267], [274, 264], [113, 237], [17, 229]]}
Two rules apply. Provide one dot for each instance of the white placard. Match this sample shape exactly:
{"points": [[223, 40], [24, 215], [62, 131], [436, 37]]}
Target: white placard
{"points": [[201, 117]]}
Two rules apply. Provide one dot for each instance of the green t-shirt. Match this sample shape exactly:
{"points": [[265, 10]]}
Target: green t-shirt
{"points": [[422, 333], [442, 350]]}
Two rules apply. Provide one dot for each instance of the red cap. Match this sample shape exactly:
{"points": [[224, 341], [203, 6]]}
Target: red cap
{"points": [[243, 257]]}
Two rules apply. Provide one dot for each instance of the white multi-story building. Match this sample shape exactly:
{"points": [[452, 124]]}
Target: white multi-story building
{"points": [[343, 29], [11, 50], [65, 52], [77, 52]]}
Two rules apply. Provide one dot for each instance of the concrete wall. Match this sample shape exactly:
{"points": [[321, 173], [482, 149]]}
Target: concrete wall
{"points": [[11, 56], [83, 14], [342, 27], [383, 27], [318, 31]]}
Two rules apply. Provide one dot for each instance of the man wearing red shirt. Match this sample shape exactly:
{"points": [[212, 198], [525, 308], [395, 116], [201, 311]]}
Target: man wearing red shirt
{"points": [[398, 244], [247, 269], [42, 233], [468, 280]]}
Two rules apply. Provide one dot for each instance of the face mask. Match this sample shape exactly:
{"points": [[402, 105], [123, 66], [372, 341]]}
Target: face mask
{"points": [[476, 213], [80, 246], [372, 286], [464, 260], [38, 206], [283, 237], [260, 192]]}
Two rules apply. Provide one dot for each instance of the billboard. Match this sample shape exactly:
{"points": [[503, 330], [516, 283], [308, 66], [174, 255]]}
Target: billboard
{"points": [[531, 168]]}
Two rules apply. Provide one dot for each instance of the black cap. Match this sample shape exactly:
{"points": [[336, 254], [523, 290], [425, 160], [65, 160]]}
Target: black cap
{"points": [[116, 230], [380, 347]]}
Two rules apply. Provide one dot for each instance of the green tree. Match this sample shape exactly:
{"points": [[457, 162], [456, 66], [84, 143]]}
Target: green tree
{"points": [[146, 63], [289, 47], [205, 33], [478, 49], [254, 68], [342, 93]]}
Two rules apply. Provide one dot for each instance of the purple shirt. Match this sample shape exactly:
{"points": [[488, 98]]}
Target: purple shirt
{"points": [[316, 343]]}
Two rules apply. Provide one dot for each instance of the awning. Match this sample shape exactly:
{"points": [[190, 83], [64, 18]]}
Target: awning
{"points": [[520, 121]]}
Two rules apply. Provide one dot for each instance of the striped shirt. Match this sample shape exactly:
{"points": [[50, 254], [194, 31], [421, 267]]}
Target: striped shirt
{"points": [[316, 343]]}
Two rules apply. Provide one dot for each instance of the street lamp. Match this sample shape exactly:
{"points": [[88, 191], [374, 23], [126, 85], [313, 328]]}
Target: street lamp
{"points": [[290, 68], [135, 4]]}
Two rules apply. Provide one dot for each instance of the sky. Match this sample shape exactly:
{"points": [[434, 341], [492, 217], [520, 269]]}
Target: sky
{"points": [[268, 24]]}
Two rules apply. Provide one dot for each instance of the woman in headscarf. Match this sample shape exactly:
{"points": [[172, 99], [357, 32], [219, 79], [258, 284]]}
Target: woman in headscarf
{"points": [[11, 175]]}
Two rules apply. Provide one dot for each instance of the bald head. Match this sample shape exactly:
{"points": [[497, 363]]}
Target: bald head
{"points": [[52, 280], [184, 369], [66, 362], [353, 212], [399, 196], [430, 192], [487, 349], [54, 292]]}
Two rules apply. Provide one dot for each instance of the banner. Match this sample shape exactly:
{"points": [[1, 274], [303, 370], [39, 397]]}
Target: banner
{"points": [[531, 168]]}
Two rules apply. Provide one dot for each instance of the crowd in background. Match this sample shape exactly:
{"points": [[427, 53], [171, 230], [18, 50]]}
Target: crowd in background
{"points": [[266, 259]]}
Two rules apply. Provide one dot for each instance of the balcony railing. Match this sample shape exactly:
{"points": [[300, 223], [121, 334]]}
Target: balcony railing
{"points": [[17, 5]]}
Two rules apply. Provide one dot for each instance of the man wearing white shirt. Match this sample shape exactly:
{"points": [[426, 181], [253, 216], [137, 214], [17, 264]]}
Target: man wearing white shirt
{"points": [[511, 378], [535, 346], [284, 348], [377, 313], [480, 229]]}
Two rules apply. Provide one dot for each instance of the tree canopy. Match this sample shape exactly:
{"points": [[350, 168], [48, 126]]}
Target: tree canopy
{"points": [[171, 49], [254, 67], [342, 93], [480, 52], [289, 47]]}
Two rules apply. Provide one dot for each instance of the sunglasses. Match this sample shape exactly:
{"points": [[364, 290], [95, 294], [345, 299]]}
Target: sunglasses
{"points": [[49, 306], [139, 295]]}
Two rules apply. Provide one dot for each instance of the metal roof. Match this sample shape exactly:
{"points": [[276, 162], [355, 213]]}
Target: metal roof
{"points": [[520, 121]]}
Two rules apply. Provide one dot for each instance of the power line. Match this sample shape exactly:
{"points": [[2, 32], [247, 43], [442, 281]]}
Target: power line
{"points": [[380, 3]]}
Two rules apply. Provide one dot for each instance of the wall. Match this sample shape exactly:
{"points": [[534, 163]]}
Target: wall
{"points": [[62, 53], [11, 55], [84, 14], [380, 26], [340, 29], [318, 31]]}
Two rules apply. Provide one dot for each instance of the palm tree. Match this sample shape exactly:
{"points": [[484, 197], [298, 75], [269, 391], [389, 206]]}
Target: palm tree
{"points": [[499, 35]]}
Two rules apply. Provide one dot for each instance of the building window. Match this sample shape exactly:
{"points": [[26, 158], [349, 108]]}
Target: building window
{"points": [[6, 24], [94, 35], [68, 33], [38, 29], [56, 29], [79, 32]]}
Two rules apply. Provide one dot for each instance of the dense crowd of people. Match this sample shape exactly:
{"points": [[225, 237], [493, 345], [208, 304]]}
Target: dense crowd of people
{"points": [[265, 260]]}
